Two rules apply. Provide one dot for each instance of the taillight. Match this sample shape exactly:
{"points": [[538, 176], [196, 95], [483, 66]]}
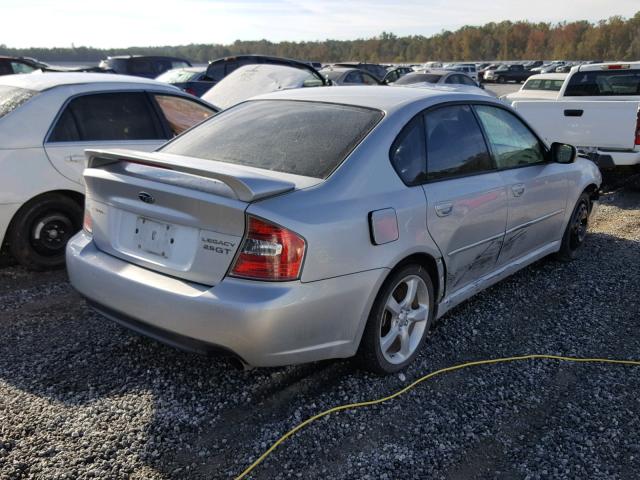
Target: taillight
{"points": [[638, 128], [87, 223], [269, 252], [190, 91]]}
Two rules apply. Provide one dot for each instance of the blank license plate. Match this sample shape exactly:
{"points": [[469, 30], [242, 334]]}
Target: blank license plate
{"points": [[154, 237]]}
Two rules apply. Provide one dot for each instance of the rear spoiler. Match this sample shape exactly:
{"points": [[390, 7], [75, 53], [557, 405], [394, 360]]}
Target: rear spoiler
{"points": [[247, 185]]}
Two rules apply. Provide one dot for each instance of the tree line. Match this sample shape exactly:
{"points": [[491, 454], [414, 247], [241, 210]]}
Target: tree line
{"points": [[616, 38]]}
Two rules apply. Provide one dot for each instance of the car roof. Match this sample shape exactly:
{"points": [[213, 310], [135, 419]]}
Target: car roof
{"points": [[47, 81], [548, 76], [371, 96], [600, 66]]}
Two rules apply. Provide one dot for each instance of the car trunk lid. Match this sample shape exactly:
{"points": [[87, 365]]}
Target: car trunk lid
{"points": [[181, 216]]}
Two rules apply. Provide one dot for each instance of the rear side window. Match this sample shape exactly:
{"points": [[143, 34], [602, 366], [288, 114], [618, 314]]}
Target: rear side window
{"points": [[408, 153], [108, 116], [302, 138], [455, 145], [12, 97], [512, 142], [604, 83], [180, 113]]}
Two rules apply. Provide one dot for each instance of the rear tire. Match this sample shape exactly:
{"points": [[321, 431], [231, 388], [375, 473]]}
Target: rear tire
{"points": [[576, 231], [41, 229], [399, 321]]}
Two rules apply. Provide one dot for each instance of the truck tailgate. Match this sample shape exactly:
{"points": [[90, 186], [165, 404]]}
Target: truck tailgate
{"points": [[604, 124]]}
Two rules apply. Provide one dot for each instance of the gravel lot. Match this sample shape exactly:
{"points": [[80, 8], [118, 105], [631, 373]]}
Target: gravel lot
{"points": [[83, 398]]}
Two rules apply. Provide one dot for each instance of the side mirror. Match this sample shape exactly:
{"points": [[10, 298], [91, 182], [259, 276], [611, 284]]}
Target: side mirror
{"points": [[563, 153]]}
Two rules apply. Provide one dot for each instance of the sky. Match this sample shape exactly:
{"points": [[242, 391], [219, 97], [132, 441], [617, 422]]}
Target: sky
{"points": [[123, 23]]}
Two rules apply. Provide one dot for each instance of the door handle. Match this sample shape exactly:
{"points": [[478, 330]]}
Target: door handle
{"points": [[517, 189], [573, 113], [444, 209]]}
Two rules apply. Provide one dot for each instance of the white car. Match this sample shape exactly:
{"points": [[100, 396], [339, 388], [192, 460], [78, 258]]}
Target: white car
{"points": [[46, 123], [597, 110], [545, 86]]}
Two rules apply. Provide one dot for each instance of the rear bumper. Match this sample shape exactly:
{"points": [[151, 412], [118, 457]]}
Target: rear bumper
{"points": [[611, 159], [265, 324]]}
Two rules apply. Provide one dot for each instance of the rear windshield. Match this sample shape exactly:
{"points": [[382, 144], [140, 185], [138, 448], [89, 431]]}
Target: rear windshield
{"points": [[604, 83], [177, 76], [302, 138], [418, 78], [12, 97], [540, 84]]}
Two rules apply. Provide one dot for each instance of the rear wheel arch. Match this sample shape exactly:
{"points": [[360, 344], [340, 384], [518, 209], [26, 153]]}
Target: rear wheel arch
{"points": [[430, 264], [15, 237]]}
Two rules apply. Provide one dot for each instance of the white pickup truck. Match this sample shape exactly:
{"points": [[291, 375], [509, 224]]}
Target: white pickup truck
{"points": [[596, 110]]}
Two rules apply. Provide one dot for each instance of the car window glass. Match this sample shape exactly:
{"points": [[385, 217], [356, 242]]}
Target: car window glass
{"points": [[464, 80], [19, 67], [66, 129], [604, 83], [141, 67], [180, 113], [353, 77], [299, 137], [512, 142], [455, 145], [368, 79], [111, 116], [215, 71], [12, 97], [5, 68], [408, 153]]}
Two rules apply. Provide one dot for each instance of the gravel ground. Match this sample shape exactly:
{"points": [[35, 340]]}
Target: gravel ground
{"points": [[83, 398]]}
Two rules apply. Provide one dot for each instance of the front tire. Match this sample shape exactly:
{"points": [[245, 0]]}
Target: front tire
{"points": [[399, 321], [501, 80], [41, 229], [576, 231]]}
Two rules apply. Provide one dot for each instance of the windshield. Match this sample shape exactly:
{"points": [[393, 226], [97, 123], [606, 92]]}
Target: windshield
{"points": [[546, 84], [604, 83], [419, 78], [12, 97], [176, 76], [298, 137]]}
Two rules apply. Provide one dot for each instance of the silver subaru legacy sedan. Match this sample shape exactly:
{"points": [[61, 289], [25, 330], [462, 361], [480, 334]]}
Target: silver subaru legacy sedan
{"points": [[325, 223]]}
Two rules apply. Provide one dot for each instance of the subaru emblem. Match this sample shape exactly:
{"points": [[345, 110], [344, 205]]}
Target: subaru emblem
{"points": [[146, 197]]}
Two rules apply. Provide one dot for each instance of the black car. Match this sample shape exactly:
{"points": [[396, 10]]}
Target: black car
{"points": [[511, 73], [374, 69], [192, 80], [143, 66]]}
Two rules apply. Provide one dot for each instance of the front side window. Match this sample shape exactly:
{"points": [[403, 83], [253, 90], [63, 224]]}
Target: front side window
{"points": [[512, 142], [19, 67], [180, 113], [408, 154], [455, 145], [298, 137], [107, 116]]}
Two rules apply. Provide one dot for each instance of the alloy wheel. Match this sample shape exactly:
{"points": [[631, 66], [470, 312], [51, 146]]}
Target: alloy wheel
{"points": [[404, 319]]}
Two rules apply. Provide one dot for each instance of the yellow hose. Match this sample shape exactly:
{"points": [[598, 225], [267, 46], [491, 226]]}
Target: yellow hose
{"points": [[413, 384]]}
